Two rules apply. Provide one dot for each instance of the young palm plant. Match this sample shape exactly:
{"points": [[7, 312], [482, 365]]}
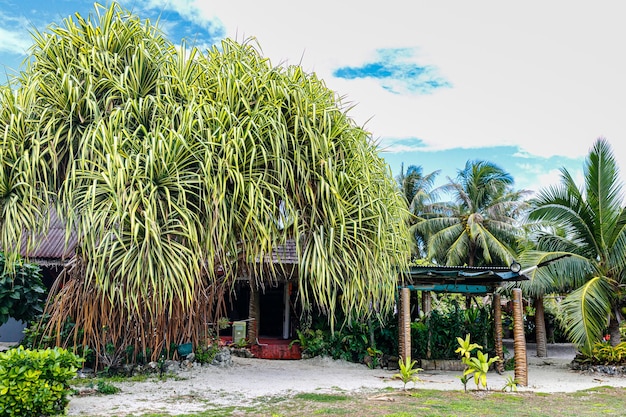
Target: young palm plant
{"points": [[583, 231]]}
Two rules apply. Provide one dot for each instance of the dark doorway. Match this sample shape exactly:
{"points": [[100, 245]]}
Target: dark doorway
{"points": [[272, 312]]}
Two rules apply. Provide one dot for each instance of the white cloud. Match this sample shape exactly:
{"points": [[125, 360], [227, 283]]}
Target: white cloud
{"points": [[14, 41]]}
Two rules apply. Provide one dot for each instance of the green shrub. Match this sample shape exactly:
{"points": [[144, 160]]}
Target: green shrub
{"points": [[605, 354], [352, 341], [205, 354], [22, 292], [106, 388], [34, 383], [434, 334]]}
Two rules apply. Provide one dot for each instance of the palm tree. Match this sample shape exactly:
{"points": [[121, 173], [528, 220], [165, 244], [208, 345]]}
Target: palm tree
{"points": [[480, 226], [418, 190], [590, 246], [180, 171]]}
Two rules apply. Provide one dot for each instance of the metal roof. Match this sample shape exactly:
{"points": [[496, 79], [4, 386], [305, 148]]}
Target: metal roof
{"points": [[50, 248], [469, 280]]}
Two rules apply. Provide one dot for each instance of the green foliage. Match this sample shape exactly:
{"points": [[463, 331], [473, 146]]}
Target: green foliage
{"points": [[433, 336], [207, 159], [35, 383], [22, 292], [375, 355], [408, 371], [603, 353], [476, 366], [206, 354], [464, 380], [466, 347], [106, 388], [584, 230], [510, 384], [480, 225], [351, 342]]}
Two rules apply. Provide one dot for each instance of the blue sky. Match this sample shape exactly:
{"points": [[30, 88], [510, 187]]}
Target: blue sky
{"points": [[526, 85]]}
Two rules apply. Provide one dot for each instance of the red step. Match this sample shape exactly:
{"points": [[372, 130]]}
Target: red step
{"points": [[276, 349]]}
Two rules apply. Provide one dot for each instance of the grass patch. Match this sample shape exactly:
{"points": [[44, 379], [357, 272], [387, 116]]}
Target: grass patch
{"points": [[603, 401], [320, 398]]}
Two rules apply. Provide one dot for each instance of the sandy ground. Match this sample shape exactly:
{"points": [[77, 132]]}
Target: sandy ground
{"points": [[251, 381]]}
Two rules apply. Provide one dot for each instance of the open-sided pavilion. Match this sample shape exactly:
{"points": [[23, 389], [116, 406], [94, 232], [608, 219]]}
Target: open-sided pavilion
{"points": [[470, 281]]}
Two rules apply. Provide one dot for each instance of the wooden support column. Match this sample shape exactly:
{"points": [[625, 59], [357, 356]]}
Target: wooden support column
{"points": [[519, 346], [497, 331], [404, 323]]}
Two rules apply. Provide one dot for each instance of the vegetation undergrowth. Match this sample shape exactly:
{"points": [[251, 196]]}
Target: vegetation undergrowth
{"points": [[35, 383]]}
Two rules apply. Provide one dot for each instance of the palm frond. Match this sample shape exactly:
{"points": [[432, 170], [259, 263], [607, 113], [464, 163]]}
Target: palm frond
{"points": [[586, 311]]}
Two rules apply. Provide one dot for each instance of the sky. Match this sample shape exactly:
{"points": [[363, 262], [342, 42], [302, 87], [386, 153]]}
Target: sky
{"points": [[526, 85]]}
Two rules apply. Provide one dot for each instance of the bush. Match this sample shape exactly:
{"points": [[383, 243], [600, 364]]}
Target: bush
{"points": [[434, 335], [603, 353], [352, 341], [34, 383], [22, 292]]}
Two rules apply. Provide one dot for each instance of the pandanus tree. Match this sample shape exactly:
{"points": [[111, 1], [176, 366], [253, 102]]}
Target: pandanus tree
{"points": [[180, 170], [583, 231]]}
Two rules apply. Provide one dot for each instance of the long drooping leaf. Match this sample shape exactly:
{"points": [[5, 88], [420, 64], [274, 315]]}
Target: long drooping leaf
{"points": [[586, 312]]}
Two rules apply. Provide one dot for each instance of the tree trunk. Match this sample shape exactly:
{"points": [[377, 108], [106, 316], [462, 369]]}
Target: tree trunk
{"points": [[404, 322], [540, 329], [253, 313], [497, 331], [614, 332], [426, 302], [519, 346]]}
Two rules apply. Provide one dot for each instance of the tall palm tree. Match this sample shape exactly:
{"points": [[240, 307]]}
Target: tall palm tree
{"points": [[418, 189], [480, 226], [591, 250], [181, 170]]}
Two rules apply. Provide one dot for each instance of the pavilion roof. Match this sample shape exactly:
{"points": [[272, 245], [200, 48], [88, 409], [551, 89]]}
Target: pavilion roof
{"points": [[460, 279]]}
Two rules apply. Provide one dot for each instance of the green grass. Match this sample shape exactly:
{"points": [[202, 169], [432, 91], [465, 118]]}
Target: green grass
{"points": [[323, 398], [605, 401]]}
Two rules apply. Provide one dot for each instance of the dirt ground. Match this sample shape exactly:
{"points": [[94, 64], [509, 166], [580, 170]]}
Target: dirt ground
{"points": [[252, 381]]}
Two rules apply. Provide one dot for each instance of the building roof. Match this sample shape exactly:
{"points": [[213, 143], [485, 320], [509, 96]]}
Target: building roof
{"points": [[469, 280], [50, 248]]}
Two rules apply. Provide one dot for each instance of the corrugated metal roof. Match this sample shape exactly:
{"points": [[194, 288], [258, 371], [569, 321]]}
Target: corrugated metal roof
{"points": [[51, 246]]}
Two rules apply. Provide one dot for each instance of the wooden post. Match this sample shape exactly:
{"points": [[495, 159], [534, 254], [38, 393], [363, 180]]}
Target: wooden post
{"points": [[404, 317], [519, 344], [497, 331]]}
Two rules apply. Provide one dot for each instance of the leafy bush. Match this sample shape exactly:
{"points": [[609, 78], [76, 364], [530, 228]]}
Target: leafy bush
{"points": [[206, 354], [34, 383], [433, 336], [605, 354], [106, 388], [352, 341], [22, 292]]}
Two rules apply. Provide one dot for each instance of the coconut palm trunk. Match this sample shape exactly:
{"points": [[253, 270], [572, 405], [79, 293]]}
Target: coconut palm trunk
{"points": [[540, 329], [519, 346], [497, 331]]}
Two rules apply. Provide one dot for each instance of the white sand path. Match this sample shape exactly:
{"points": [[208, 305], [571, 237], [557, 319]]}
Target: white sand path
{"points": [[251, 381]]}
